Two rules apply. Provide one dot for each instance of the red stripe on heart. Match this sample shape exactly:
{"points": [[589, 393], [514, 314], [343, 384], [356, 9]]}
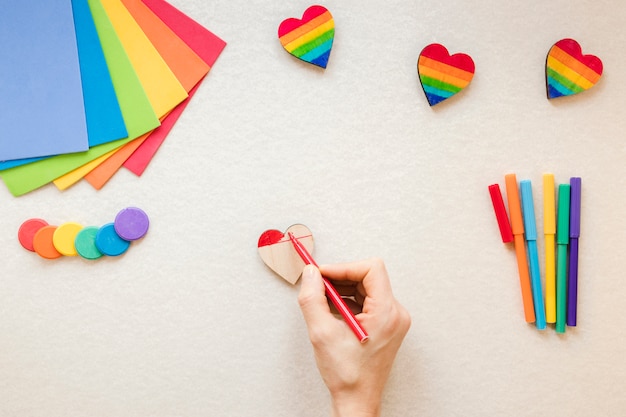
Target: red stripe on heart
{"points": [[573, 48], [292, 23], [439, 53]]}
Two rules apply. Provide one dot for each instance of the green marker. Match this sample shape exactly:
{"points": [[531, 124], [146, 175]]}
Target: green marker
{"points": [[562, 239]]}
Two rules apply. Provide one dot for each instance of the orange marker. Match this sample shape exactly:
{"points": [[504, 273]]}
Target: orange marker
{"points": [[517, 225]]}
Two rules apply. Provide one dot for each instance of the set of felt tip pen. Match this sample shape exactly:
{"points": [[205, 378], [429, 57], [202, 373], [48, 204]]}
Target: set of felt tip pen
{"points": [[561, 227]]}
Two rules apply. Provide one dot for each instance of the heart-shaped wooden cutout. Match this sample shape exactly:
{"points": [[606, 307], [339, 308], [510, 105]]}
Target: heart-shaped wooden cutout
{"points": [[443, 75], [570, 72], [277, 251], [310, 38]]}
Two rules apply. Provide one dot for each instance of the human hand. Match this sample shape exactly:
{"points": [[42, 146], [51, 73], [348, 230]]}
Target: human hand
{"points": [[354, 373]]}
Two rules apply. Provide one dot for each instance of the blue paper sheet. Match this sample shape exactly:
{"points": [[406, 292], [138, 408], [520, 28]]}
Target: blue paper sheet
{"points": [[104, 117], [41, 97]]}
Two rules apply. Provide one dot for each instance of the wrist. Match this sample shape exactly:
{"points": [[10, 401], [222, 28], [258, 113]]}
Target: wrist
{"points": [[354, 406]]}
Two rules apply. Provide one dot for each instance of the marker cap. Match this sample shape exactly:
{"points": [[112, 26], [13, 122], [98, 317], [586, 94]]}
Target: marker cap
{"points": [[574, 210], [501, 216], [549, 205], [515, 209], [562, 227], [528, 209]]}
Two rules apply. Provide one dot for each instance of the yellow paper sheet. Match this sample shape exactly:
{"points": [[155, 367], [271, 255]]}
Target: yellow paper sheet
{"points": [[73, 177], [161, 85]]}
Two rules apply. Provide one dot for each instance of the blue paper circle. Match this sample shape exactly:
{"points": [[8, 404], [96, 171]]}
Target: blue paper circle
{"points": [[109, 242]]}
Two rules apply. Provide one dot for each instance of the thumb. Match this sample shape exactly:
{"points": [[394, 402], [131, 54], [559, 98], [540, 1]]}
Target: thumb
{"points": [[312, 298]]}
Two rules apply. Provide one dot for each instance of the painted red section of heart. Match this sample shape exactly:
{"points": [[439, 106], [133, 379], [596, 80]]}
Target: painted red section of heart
{"points": [[270, 237]]}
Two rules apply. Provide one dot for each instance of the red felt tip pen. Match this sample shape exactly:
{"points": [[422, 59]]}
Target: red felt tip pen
{"points": [[332, 293]]}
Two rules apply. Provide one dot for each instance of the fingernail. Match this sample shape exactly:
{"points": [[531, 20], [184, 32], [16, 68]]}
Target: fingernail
{"points": [[309, 272]]}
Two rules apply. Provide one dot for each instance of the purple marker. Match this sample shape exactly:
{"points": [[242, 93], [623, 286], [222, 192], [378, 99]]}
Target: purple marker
{"points": [[574, 234]]}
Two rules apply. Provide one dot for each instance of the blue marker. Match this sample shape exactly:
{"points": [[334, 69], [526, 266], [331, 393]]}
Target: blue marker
{"points": [[530, 231]]}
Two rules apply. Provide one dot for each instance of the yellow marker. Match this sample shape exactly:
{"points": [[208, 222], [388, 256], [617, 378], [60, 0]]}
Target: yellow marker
{"points": [[549, 230]]}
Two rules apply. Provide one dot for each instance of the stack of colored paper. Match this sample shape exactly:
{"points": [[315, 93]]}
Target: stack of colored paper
{"points": [[89, 86]]}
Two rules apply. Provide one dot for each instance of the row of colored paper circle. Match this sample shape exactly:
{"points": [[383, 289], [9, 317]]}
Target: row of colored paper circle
{"points": [[90, 242]]}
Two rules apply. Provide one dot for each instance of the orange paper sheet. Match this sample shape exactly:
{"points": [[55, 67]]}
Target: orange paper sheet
{"points": [[66, 181], [186, 65], [101, 174]]}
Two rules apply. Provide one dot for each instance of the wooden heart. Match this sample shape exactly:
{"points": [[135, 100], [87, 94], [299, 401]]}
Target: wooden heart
{"points": [[278, 252], [310, 38], [568, 71], [443, 75]]}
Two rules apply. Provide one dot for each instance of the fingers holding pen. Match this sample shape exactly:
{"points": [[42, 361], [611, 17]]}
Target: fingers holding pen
{"points": [[316, 309], [371, 274], [368, 283], [312, 298]]}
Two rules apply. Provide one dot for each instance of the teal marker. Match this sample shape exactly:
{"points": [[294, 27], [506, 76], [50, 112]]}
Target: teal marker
{"points": [[562, 239], [530, 232]]}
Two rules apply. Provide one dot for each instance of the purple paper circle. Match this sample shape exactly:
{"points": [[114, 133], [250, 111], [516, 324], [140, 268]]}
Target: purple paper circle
{"points": [[131, 223]]}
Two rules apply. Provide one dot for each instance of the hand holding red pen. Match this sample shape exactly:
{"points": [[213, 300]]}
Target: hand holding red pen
{"points": [[332, 293], [354, 373]]}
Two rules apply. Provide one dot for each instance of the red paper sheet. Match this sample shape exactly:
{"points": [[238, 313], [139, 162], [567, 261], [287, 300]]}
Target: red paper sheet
{"points": [[204, 43]]}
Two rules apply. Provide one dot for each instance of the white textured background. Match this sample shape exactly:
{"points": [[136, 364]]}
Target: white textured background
{"points": [[190, 322]]}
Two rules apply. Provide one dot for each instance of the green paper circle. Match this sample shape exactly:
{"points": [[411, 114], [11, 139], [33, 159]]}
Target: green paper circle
{"points": [[86, 243]]}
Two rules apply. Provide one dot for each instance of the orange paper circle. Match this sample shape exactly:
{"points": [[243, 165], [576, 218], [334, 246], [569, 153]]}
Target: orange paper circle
{"points": [[42, 243]]}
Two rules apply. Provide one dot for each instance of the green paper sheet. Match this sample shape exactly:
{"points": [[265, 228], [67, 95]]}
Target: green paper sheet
{"points": [[137, 111]]}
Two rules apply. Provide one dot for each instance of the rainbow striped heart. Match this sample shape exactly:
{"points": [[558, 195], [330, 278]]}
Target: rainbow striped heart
{"points": [[568, 71], [310, 38], [443, 75]]}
